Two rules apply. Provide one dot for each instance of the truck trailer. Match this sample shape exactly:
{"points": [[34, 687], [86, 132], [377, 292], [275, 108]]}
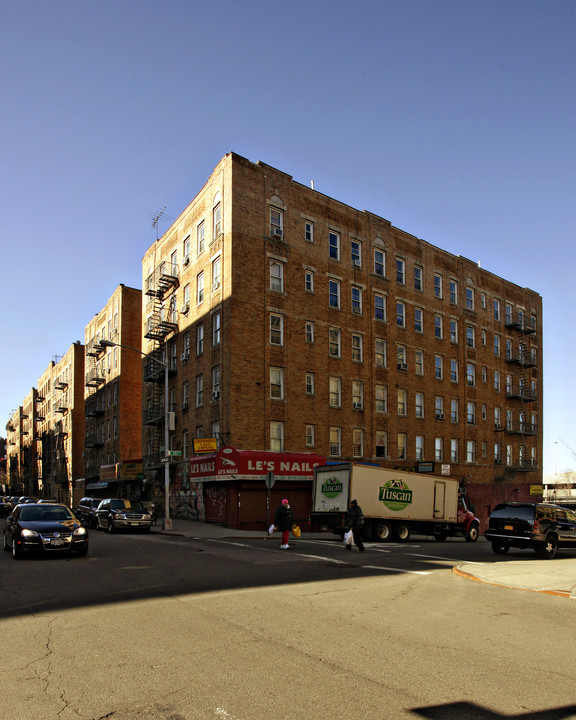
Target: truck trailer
{"points": [[395, 503]]}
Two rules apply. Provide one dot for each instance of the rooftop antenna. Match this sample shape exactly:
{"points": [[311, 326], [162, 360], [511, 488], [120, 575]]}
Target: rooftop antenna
{"points": [[156, 220]]}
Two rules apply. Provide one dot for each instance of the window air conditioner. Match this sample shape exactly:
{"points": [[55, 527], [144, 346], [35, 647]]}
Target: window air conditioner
{"points": [[439, 416], [216, 285], [184, 406], [402, 366], [276, 232], [215, 395], [185, 357], [357, 406], [185, 308], [187, 260]]}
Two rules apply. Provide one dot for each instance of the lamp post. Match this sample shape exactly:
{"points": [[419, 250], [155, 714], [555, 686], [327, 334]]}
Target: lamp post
{"points": [[167, 520]]}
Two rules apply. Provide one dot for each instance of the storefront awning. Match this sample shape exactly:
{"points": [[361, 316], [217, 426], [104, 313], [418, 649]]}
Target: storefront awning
{"points": [[99, 485]]}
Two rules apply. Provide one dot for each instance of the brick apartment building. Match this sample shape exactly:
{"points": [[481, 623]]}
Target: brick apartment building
{"points": [[113, 398], [14, 459], [292, 322]]}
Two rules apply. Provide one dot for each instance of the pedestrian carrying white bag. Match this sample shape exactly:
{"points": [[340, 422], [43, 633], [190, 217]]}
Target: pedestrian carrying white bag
{"points": [[271, 529], [348, 537]]}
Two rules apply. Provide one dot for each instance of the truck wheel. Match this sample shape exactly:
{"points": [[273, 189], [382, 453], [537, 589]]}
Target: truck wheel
{"points": [[440, 536], [500, 547], [384, 531], [473, 532], [402, 532]]}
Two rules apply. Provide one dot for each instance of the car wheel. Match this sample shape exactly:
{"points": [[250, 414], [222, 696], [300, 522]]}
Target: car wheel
{"points": [[110, 526], [500, 548], [440, 536], [384, 531], [548, 548], [473, 532], [15, 551], [82, 552], [402, 532], [5, 542]]}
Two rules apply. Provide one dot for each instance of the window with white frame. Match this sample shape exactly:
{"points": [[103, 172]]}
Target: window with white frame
{"points": [[216, 328], [497, 380], [185, 446], [400, 314], [276, 276], [419, 404], [419, 362], [186, 250], [380, 398], [400, 271], [357, 348], [438, 326], [310, 383], [277, 383], [200, 288], [356, 251], [438, 449], [276, 329], [379, 307], [497, 418], [469, 298], [470, 374], [454, 450], [453, 331], [277, 436], [470, 336], [418, 274], [419, 447], [381, 443], [418, 320], [200, 339], [438, 367], [310, 433], [309, 231], [497, 345], [334, 293], [309, 332], [357, 443], [471, 413], [509, 455], [454, 410], [483, 301], [470, 451], [334, 245], [453, 370], [335, 392], [497, 310], [335, 442], [357, 394], [379, 263], [200, 238], [356, 293], [215, 382], [185, 395], [199, 390], [507, 313], [335, 342], [484, 374], [402, 397], [453, 292], [380, 352], [401, 446], [309, 281], [484, 412], [437, 285], [497, 454], [439, 407], [276, 222], [216, 272], [217, 220], [401, 357]]}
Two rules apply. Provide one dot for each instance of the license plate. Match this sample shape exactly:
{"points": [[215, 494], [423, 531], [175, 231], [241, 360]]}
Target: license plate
{"points": [[56, 543], [508, 527]]}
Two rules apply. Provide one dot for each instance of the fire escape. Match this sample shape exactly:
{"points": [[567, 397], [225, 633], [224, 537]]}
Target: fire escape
{"points": [[162, 322], [61, 403], [521, 390], [94, 408]]}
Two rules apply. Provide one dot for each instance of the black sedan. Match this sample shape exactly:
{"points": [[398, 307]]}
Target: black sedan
{"points": [[44, 528]]}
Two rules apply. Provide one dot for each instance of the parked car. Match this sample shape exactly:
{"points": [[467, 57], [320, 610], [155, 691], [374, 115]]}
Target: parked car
{"points": [[539, 526], [117, 514], [86, 510], [52, 501], [5, 506], [27, 499], [39, 527]]}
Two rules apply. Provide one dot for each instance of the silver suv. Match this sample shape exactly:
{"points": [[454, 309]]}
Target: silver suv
{"points": [[117, 514]]}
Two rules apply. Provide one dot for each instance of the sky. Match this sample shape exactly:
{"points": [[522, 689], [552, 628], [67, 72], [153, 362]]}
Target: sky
{"points": [[453, 119]]}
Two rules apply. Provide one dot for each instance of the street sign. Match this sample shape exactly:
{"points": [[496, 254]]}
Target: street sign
{"points": [[270, 480], [164, 459], [175, 453]]}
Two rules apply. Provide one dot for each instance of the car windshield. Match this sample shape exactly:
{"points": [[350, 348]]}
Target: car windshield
{"points": [[524, 512], [37, 513], [121, 504]]}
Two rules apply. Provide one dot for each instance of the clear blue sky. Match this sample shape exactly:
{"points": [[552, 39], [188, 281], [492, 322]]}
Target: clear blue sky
{"points": [[453, 119]]}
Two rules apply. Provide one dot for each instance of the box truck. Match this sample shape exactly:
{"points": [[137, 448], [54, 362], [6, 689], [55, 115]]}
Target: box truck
{"points": [[395, 503]]}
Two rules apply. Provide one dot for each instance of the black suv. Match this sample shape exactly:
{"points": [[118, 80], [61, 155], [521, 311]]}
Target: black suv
{"points": [[539, 526], [86, 511], [116, 514]]}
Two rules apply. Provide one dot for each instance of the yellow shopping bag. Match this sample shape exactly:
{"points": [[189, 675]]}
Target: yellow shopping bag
{"points": [[296, 530]]}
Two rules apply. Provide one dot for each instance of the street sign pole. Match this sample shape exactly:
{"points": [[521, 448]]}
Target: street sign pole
{"points": [[270, 480]]}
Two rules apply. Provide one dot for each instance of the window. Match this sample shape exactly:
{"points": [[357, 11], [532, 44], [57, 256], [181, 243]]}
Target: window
{"points": [[216, 331], [419, 404], [469, 298], [356, 251], [309, 281], [497, 310], [484, 413], [216, 268], [334, 245], [276, 222], [200, 339], [400, 271], [186, 298], [454, 410], [173, 356], [215, 382], [334, 342], [379, 263], [356, 300], [497, 345], [483, 301], [497, 418], [470, 336], [335, 392], [277, 383], [453, 370], [471, 413], [497, 380], [379, 307], [276, 276], [217, 220], [357, 348], [185, 395], [276, 330], [310, 432], [200, 288], [199, 390], [401, 445], [185, 452], [509, 455], [484, 338], [401, 357], [200, 237], [380, 399], [453, 292], [419, 447], [334, 293], [417, 277], [438, 369], [438, 449], [400, 314], [309, 332], [507, 314], [418, 320], [357, 394], [309, 231], [470, 374], [380, 352], [454, 450], [402, 395], [439, 407], [310, 384], [277, 436], [470, 451], [335, 441], [419, 362], [497, 454], [357, 443], [381, 443], [454, 331], [186, 249], [437, 285], [484, 374], [438, 326]]}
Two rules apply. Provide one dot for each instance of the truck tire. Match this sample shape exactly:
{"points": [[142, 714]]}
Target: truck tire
{"points": [[473, 532], [402, 532], [383, 531], [440, 536], [547, 550]]}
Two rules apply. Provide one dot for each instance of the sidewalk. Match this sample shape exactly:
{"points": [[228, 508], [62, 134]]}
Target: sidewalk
{"points": [[552, 577]]}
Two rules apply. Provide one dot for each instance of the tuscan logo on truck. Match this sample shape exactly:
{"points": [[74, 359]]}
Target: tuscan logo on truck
{"points": [[331, 488], [395, 495]]}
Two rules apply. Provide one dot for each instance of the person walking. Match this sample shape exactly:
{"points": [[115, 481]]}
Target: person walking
{"points": [[355, 522], [284, 521]]}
